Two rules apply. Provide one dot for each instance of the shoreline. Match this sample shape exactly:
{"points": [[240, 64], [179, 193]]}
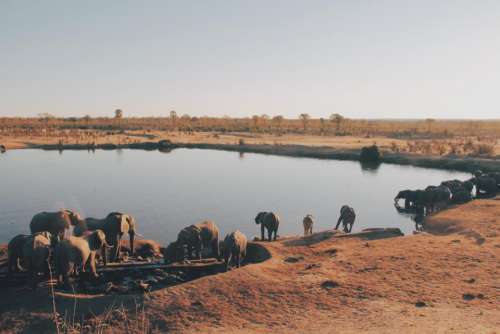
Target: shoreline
{"points": [[457, 163]]}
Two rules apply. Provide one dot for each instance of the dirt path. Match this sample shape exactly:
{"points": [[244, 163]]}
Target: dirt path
{"points": [[447, 283]]}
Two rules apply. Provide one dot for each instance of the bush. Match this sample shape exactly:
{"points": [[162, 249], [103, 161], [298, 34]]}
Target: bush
{"points": [[370, 154], [241, 142]]}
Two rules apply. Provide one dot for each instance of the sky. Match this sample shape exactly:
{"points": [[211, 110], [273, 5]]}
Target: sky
{"points": [[362, 59]]}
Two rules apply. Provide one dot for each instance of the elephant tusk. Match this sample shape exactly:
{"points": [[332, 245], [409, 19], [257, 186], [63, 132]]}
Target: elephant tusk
{"points": [[139, 235]]}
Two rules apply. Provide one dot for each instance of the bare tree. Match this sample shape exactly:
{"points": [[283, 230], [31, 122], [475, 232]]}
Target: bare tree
{"points": [[118, 114], [278, 121], [337, 119], [173, 119], [305, 120]]}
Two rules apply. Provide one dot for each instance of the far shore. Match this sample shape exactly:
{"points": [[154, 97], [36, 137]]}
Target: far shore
{"points": [[336, 148]]}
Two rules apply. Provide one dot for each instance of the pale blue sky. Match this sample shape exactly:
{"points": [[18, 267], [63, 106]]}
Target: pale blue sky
{"points": [[369, 59]]}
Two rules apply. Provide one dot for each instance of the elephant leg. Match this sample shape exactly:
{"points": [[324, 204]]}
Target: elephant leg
{"points": [[269, 234], [275, 234], [198, 251], [227, 259], [407, 203], [93, 270], [262, 232], [238, 260], [215, 249]]}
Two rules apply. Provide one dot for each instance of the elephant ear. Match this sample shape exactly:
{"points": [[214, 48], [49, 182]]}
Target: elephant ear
{"points": [[124, 224]]}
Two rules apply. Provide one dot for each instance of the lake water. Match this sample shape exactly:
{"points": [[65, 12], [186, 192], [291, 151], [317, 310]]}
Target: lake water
{"points": [[168, 191]]}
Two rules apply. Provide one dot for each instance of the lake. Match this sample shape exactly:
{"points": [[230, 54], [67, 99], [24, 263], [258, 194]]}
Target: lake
{"points": [[168, 191]]}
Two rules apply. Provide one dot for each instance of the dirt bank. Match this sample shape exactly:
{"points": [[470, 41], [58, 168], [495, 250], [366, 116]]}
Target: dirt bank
{"points": [[445, 283], [339, 148]]}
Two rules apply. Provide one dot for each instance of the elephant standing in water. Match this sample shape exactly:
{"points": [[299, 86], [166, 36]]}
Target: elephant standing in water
{"points": [[347, 217], [410, 197], [435, 198], [55, 222], [269, 221], [114, 226]]}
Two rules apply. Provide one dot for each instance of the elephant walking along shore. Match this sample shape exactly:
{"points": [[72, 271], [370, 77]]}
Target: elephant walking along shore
{"points": [[34, 250], [308, 224], [269, 221], [75, 253], [347, 217], [234, 248], [55, 222], [114, 226]]}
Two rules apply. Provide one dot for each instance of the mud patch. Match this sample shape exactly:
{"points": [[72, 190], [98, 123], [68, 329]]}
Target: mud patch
{"points": [[330, 285]]}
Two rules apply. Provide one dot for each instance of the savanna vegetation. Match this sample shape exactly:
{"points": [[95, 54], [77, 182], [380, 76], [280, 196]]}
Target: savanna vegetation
{"points": [[428, 136]]}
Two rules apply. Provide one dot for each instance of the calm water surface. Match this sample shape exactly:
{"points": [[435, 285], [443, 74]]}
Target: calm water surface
{"points": [[167, 191]]}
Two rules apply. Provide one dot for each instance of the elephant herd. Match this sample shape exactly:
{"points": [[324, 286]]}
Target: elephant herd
{"points": [[92, 238], [435, 198]]}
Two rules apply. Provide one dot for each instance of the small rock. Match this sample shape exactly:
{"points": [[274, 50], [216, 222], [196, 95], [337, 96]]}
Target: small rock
{"points": [[312, 266], [468, 296], [455, 240], [294, 259], [470, 280], [420, 304], [329, 285]]}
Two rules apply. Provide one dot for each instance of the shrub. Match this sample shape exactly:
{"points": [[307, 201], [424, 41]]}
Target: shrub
{"points": [[370, 154], [241, 142]]}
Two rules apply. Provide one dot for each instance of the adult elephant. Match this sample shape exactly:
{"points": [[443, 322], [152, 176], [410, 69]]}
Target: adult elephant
{"points": [[195, 238], [114, 226], [410, 197], [485, 185], [55, 222], [347, 217], [435, 198], [269, 221]]}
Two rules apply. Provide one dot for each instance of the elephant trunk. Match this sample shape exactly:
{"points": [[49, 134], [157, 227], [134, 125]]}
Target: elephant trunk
{"points": [[132, 236]]}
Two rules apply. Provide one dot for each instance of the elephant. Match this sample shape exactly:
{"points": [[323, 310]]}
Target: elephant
{"points": [[3, 149], [460, 197], [269, 221], [196, 237], [485, 185], [456, 186], [496, 176], [77, 252], [435, 198], [170, 252], [234, 247], [114, 225], [347, 217], [308, 223], [55, 222], [142, 247], [410, 197], [34, 250], [15, 251]]}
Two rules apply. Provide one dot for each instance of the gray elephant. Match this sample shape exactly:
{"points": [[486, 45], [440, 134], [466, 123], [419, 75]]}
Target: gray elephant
{"points": [[114, 225], [269, 221], [34, 250], [308, 223], [435, 198], [347, 217], [460, 197], [170, 253], [76, 253], [142, 247], [234, 247], [410, 197], [457, 186], [485, 185], [196, 237], [55, 222]]}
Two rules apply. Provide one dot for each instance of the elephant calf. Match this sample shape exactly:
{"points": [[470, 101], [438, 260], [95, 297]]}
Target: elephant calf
{"points": [[269, 221], [196, 237], [142, 247], [34, 249], [308, 224], [78, 252], [234, 246]]}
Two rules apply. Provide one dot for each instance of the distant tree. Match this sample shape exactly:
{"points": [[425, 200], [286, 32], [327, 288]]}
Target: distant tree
{"points": [[173, 119], [305, 120], [45, 117], [337, 119], [322, 123], [87, 119], [118, 114], [278, 121], [256, 121], [429, 122]]}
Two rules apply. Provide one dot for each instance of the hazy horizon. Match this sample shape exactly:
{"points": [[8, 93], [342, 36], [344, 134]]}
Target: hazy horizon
{"points": [[380, 60]]}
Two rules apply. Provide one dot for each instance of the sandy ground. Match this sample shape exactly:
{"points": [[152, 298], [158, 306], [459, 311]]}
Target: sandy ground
{"points": [[448, 282]]}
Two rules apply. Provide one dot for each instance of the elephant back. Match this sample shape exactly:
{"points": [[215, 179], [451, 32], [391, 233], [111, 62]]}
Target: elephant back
{"points": [[271, 221], [208, 231], [189, 235]]}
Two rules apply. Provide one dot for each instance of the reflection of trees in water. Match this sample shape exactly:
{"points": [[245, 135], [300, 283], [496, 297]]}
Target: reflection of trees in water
{"points": [[241, 155], [370, 167], [164, 150]]}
